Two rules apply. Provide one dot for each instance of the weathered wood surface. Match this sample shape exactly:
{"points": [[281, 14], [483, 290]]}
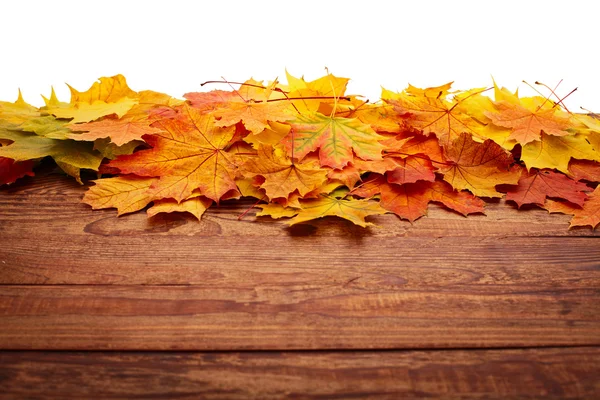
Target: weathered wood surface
{"points": [[481, 374], [76, 279], [341, 316]]}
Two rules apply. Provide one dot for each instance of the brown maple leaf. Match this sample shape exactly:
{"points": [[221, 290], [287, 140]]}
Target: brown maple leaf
{"points": [[479, 167], [536, 185]]}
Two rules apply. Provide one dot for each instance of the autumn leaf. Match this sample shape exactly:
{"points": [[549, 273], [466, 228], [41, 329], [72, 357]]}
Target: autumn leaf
{"points": [[108, 96], [557, 151], [588, 215], [479, 167], [10, 170], [584, 170], [337, 139], [195, 206], [528, 117], [14, 114], [119, 130], [536, 185], [429, 111], [281, 176], [335, 204], [190, 154], [126, 193], [251, 104], [410, 201], [72, 155]]}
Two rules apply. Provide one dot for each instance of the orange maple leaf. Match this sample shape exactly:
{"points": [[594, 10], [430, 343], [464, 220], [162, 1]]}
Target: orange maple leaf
{"points": [[252, 104], [410, 201], [429, 111], [529, 118], [584, 170], [281, 176], [190, 154], [588, 215]]}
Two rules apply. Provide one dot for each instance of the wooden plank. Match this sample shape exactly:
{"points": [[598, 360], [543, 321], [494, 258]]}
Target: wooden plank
{"points": [[340, 316], [49, 237], [56, 201], [492, 374]]}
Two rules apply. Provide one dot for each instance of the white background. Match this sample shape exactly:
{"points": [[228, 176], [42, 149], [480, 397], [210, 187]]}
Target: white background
{"points": [[172, 46]]}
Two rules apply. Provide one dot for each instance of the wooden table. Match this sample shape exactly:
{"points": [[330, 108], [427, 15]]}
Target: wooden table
{"points": [[95, 305]]}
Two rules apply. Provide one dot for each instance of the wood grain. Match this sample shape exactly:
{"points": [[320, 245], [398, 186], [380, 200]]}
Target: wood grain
{"points": [[54, 239], [336, 317], [518, 281], [491, 374]]}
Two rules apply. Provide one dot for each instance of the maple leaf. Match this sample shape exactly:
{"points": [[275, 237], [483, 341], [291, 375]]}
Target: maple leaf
{"points": [[528, 123], [336, 139], [410, 201], [190, 154], [71, 156], [429, 111], [10, 170], [334, 204], [535, 186], [126, 193], [281, 176], [479, 167], [584, 170], [132, 126], [109, 96], [349, 175], [119, 130], [557, 151], [317, 95], [251, 105], [196, 206], [14, 114], [588, 215]]}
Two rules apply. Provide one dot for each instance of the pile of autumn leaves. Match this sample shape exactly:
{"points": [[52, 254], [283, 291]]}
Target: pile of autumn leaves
{"points": [[306, 150]]}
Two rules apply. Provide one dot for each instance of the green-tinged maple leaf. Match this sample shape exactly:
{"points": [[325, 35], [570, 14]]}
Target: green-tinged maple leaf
{"points": [[588, 215], [410, 201], [108, 96], [557, 151], [70, 155], [126, 193], [479, 167], [334, 204], [195, 206], [336, 139], [536, 185], [191, 153], [14, 114], [111, 151], [281, 176]]}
